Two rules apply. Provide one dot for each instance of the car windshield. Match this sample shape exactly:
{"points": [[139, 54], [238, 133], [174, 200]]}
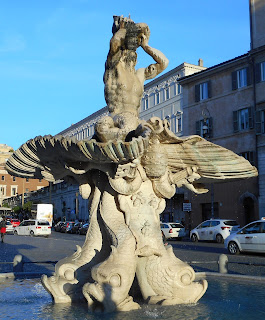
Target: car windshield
{"points": [[231, 223], [176, 225], [43, 223]]}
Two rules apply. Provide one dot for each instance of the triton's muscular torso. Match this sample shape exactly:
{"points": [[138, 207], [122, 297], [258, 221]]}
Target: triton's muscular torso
{"points": [[123, 88]]}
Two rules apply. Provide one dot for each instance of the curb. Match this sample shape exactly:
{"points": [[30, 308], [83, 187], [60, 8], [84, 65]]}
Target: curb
{"points": [[22, 275]]}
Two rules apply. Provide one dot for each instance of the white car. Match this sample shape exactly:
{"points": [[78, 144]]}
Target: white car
{"points": [[33, 228], [172, 230], [9, 227], [250, 238], [214, 230]]}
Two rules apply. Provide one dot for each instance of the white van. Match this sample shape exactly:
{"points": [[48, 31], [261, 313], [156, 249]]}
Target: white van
{"points": [[33, 228]]}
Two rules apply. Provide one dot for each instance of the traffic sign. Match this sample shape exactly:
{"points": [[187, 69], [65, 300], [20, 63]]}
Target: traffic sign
{"points": [[187, 206]]}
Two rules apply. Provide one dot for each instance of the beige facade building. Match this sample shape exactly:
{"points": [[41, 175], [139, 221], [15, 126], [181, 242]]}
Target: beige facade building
{"points": [[15, 188]]}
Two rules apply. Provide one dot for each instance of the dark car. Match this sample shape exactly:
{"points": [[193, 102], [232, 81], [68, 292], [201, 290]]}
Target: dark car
{"points": [[76, 227], [67, 227], [58, 226], [83, 229]]}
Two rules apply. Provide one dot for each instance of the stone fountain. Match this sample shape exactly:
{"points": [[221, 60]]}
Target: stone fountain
{"points": [[127, 170]]}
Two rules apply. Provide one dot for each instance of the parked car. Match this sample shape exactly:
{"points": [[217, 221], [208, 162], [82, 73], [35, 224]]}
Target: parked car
{"points": [[76, 227], [172, 230], [214, 230], [33, 228], [58, 226], [67, 227], [83, 229], [250, 238], [15, 222], [9, 227]]}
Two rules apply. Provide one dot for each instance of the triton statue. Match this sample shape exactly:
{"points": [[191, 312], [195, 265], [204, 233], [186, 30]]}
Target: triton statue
{"points": [[127, 170]]}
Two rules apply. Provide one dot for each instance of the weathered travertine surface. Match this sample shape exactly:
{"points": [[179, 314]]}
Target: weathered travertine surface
{"points": [[127, 170]]}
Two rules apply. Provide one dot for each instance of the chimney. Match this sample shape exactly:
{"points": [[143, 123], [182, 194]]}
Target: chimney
{"points": [[200, 62]]}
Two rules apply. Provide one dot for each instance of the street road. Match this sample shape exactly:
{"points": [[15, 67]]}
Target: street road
{"points": [[202, 256]]}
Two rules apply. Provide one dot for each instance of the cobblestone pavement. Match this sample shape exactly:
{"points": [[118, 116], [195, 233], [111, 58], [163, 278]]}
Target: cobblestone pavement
{"points": [[202, 256]]}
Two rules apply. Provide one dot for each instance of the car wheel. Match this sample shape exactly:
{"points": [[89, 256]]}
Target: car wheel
{"points": [[15, 232], [194, 238], [31, 233], [219, 238], [233, 248]]}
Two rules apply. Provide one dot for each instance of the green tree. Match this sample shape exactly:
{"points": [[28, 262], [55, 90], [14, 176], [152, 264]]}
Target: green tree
{"points": [[27, 206], [17, 209]]}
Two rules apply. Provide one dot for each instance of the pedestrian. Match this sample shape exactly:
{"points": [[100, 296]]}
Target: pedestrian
{"points": [[3, 228], [183, 222]]}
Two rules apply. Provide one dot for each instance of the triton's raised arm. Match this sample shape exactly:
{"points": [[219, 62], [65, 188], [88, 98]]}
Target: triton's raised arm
{"points": [[161, 61], [116, 42]]}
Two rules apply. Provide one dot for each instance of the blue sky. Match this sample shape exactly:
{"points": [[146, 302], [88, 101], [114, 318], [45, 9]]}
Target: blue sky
{"points": [[52, 53]]}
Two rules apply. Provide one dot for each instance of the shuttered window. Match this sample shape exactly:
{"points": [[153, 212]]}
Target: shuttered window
{"points": [[249, 155], [260, 122], [243, 119], [203, 91], [260, 72], [241, 78]]}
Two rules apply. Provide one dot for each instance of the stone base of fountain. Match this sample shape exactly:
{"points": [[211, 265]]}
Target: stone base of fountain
{"points": [[225, 298]]}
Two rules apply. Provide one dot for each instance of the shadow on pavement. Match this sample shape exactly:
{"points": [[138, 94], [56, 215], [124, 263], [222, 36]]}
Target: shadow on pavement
{"points": [[9, 251]]}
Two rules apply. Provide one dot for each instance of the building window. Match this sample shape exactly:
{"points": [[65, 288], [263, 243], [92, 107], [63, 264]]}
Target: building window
{"points": [[178, 88], [262, 67], [167, 93], [2, 190], [157, 97], [204, 128], [145, 102], [249, 155], [14, 178], [202, 91], [240, 78], [243, 119], [13, 191], [3, 178], [27, 179], [260, 122], [178, 122], [40, 180], [260, 72]]}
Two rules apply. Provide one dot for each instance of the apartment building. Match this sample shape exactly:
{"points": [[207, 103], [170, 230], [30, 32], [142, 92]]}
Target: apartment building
{"points": [[15, 188], [226, 104]]}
